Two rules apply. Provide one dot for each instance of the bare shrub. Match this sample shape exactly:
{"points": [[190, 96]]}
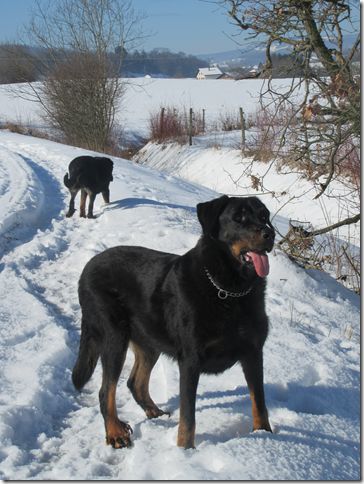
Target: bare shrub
{"points": [[168, 124], [79, 97], [279, 134], [172, 124], [350, 166], [266, 129], [229, 121], [261, 143], [329, 252], [82, 87]]}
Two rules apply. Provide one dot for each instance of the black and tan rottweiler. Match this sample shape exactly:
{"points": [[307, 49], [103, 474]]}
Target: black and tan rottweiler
{"points": [[205, 309], [91, 175]]}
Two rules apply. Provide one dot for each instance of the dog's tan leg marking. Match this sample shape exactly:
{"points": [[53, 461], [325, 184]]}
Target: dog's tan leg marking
{"points": [[189, 374], [253, 370], [138, 381], [260, 418], [117, 432], [186, 436]]}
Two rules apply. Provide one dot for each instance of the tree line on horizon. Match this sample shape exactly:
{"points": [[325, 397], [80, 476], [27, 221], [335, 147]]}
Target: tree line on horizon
{"points": [[23, 63]]}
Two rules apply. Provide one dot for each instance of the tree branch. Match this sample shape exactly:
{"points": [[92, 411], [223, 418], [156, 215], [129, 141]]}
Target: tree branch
{"points": [[329, 228]]}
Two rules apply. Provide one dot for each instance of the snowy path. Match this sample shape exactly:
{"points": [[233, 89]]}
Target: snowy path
{"points": [[49, 431]]}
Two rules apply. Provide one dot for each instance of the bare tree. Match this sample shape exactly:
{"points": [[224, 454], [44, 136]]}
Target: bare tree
{"points": [[330, 105], [82, 88], [315, 121]]}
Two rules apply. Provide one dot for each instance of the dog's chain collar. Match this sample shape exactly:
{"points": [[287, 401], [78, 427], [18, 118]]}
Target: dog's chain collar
{"points": [[223, 293]]}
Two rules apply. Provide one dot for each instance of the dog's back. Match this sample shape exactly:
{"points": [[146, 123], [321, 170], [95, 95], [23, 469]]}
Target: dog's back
{"points": [[89, 172]]}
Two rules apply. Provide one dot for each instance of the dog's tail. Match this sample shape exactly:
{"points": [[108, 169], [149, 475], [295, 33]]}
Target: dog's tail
{"points": [[87, 359], [67, 181]]}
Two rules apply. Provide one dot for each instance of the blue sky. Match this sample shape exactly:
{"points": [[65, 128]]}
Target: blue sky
{"points": [[191, 26]]}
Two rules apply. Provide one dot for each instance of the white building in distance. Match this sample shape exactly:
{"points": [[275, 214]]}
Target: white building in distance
{"points": [[212, 72]]}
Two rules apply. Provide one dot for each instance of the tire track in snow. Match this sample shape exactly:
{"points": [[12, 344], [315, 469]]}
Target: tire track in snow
{"points": [[20, 196], [32, 201], [43, 417], [39, 410]]}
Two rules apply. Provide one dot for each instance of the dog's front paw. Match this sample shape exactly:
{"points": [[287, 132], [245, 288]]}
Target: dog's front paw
{"points": [[263, 426], [186, 437]]}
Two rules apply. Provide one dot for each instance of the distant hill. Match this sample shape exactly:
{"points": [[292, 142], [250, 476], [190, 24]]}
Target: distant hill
{"points": [[252, 53], [248, 56]]}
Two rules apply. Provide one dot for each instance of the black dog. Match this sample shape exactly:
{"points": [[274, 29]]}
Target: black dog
{"points": [[91, 175], [205, 309]]}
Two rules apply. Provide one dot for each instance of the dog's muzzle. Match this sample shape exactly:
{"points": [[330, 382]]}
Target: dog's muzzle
{"points": [[258, 257]]}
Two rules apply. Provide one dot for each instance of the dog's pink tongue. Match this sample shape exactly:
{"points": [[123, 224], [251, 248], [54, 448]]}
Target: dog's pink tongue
{"points": [[261, 263]]}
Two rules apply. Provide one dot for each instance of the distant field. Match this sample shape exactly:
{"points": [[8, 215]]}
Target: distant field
{"points": [[146, 95]]}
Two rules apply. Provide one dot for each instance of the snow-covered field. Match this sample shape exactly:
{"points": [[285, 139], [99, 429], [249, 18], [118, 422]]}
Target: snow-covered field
{"points": [[49, 431], [144, 96]]}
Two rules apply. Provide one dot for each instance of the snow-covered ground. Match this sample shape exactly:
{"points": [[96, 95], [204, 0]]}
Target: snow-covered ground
{"points": [[222, 168], [49, 431], [145, 96]]}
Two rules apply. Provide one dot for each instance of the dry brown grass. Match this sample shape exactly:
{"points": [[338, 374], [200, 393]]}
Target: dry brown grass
{"points": [[19, 128], [172, 124]]}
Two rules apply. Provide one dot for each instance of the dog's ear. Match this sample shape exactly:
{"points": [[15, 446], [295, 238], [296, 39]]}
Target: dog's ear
{"points": [[208, 214]]}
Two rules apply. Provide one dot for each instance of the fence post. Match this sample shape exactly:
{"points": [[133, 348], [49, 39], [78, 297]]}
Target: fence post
{"points": [[161, 130], [242, 125], [190, 128], [203, 120]]}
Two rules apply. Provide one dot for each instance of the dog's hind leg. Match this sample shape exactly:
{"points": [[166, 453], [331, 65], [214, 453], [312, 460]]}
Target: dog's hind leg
{"points": [[83, 203], [71, 208], [106, 195], [112, 359], [138, 381], [92, 197]]}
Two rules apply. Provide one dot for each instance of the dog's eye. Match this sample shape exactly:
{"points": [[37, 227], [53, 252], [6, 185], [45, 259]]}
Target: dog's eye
{"points": [[264, 217], [240, 217]]}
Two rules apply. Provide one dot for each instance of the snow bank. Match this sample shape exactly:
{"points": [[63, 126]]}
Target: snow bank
{"points": [[286, 192]]}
